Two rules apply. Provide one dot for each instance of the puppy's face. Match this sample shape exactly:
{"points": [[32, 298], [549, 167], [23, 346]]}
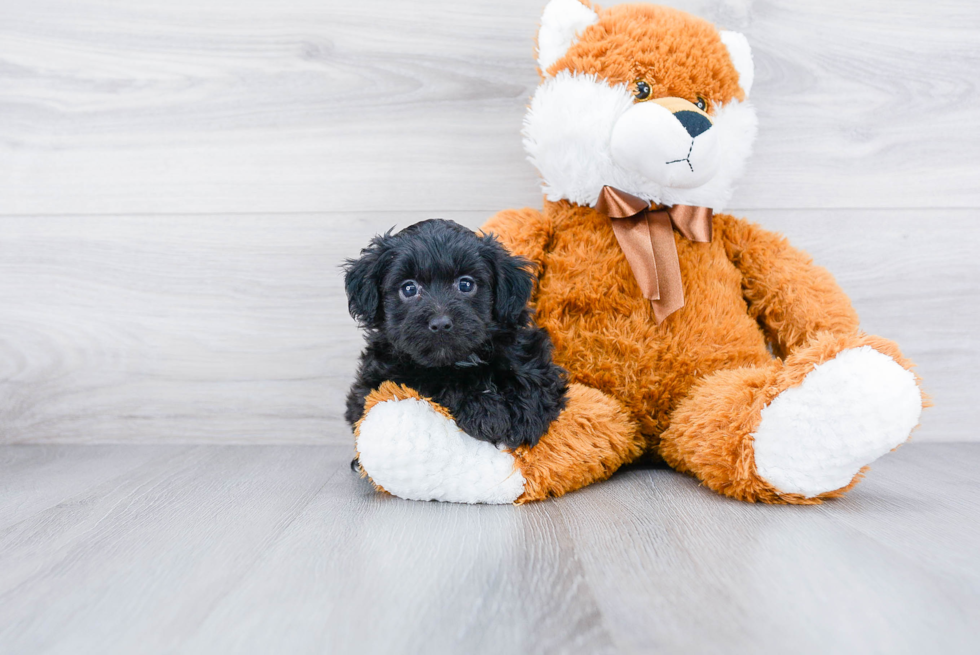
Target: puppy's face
{"points": [[437, 291], [438, 299]]}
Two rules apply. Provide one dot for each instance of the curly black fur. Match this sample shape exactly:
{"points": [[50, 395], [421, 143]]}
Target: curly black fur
{"points": [[476, 352]]}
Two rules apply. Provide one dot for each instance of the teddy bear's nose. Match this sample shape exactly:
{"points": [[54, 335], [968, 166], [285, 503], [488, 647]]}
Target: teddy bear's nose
{"points": [[693, 122]]}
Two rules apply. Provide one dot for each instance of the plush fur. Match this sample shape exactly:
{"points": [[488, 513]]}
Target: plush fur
{"points": [[695, 385], [589, 90], [474, 352], [767, 349], [561, 23], [566, 136], [415, 450], [586, 444], [815, 436]]}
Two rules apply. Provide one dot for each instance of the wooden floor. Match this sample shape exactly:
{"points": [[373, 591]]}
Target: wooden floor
{"points": [[281, 549]]}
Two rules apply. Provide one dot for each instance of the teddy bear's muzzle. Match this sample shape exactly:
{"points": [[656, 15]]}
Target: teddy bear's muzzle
{"points": [[669, 141]]}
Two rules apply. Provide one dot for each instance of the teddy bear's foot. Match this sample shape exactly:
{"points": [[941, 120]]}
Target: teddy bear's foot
{"points": [[848, 412], [413, 449], [800, 430]]}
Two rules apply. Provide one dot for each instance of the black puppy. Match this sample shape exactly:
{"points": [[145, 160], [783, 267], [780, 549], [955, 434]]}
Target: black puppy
{"points": [[445, 313]]}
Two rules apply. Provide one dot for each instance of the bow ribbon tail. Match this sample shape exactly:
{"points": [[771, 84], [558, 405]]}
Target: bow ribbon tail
{"points": [[671, 297], [647, 241], [636, 241]]}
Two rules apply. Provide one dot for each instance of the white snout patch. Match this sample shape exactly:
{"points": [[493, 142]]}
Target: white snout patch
{"points": [[568, 133], [650, 140], [414, 452]]}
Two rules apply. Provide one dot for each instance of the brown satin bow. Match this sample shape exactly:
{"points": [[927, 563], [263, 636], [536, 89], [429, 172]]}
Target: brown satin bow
{"points": [[647, 238]]}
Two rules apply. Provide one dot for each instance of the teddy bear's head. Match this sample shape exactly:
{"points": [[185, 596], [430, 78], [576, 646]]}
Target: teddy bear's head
{"points": [[647, 99]]}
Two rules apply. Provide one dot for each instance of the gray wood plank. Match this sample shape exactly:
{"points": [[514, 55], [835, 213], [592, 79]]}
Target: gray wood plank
{"points": [[359, 572], [154, 548], [337, 106], [677, 568], [281, 549], [234, 329], [931, 492], [38, 477]]}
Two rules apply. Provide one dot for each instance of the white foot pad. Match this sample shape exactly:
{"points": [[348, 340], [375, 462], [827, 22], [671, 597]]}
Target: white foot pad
{"points": [[416, 453], [848, 412]]}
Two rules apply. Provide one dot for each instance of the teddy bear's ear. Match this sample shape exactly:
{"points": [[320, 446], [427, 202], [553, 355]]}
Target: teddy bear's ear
{"points": [[561, 23], [741, 54]]}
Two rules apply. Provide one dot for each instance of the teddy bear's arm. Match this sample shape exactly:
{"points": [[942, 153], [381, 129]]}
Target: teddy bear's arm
{"points": [[791, 297], [524, 232]]}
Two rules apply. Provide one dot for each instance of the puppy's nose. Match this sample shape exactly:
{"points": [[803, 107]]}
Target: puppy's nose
{"points": [[693, 122], [441, 324]]}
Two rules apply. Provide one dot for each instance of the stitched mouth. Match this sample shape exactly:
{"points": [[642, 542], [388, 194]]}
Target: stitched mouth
{"points": [[687, 159]]}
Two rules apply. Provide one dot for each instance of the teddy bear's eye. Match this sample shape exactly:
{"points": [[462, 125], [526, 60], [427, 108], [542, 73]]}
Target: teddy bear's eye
{"points": [[702, 104], [641, 90], [408, 289]]}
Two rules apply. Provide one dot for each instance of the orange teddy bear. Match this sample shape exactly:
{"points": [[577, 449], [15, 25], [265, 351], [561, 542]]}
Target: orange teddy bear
{"points": [[688, 334]]}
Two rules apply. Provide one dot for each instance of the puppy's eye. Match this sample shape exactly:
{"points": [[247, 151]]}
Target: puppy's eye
{"points": [[702, 104], [641, 90], [408, 289], [466, 284]]}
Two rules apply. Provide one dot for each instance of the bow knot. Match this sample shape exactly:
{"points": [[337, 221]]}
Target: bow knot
{"points": [[646, 236]]}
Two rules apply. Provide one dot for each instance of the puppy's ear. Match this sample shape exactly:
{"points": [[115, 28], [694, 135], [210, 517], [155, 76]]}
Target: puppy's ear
{"points": [[362, 280], [513, 282]]}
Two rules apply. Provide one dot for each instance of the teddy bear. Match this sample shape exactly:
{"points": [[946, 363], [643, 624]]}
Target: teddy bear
{"points": [[688, 334]]}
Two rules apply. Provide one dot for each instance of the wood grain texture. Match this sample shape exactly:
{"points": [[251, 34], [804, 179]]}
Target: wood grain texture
{"points": [[225, 549], [178, 183], [303, 105], [38, 478], [742, 575], [234, 329]]}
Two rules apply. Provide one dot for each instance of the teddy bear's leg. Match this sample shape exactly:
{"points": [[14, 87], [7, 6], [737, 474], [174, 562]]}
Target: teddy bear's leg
{"points": [[800, 430], [588, 441], [410, 447]]}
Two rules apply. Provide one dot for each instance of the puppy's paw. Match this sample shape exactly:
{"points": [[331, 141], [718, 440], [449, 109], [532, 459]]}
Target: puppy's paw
{"points": [[412, 448], [486, 421]]}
